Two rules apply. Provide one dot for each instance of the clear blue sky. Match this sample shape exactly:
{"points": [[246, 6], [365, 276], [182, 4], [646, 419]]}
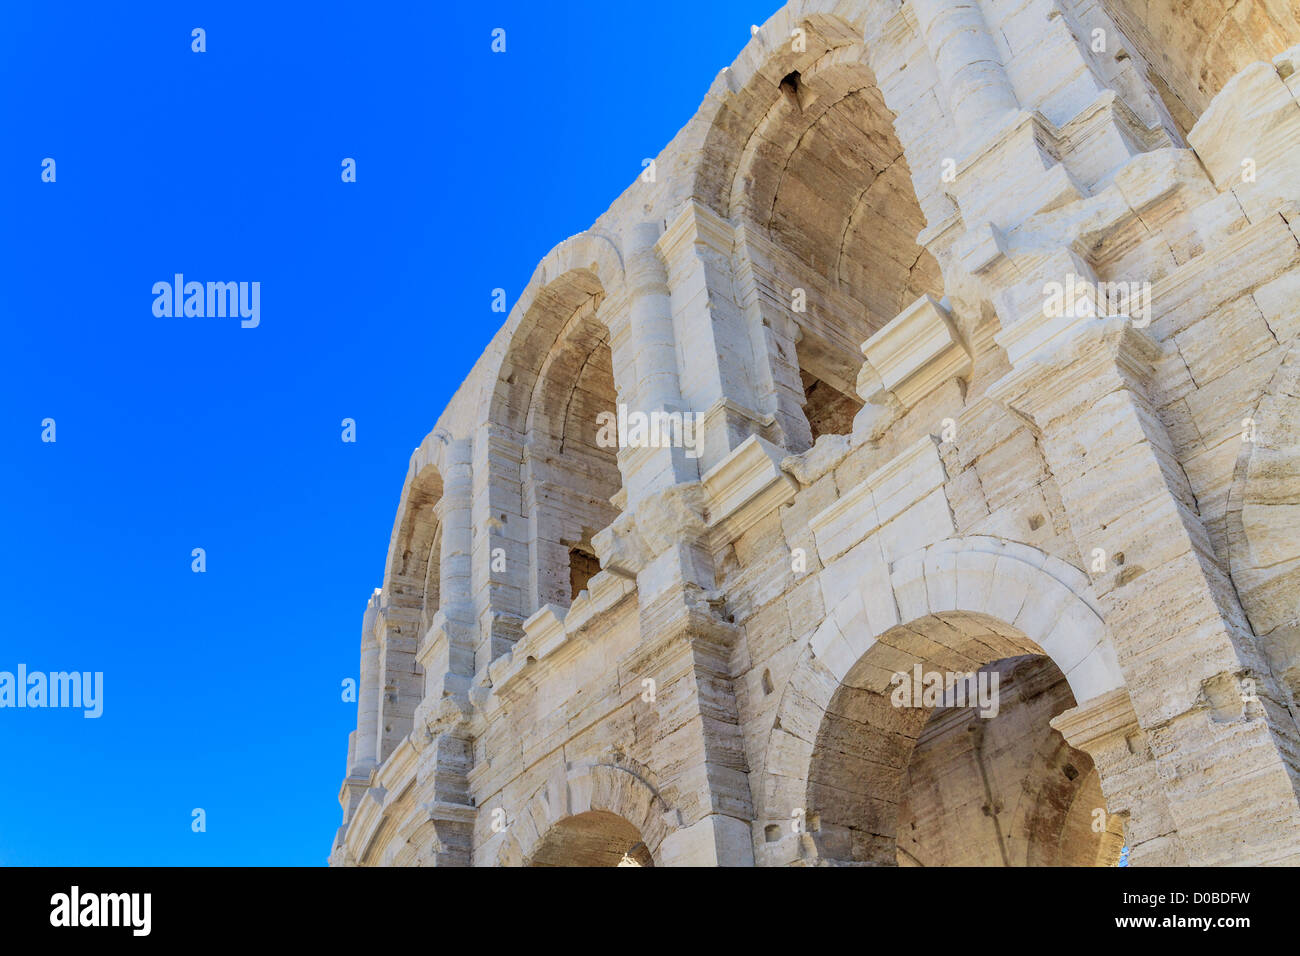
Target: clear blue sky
{"points": [[222, 689]]}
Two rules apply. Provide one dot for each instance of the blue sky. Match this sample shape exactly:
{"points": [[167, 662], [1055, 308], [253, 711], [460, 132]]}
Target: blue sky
{"points": [[222, 689]]}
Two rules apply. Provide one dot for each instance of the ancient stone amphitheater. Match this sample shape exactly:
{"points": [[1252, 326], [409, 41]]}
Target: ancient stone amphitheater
{"points": [[921, 450]]}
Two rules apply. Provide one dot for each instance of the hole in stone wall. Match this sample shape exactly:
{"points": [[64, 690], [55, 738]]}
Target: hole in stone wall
{"points": [[975, 788], [790, 88], [1035, 522], [829, 411], [595, 838], [772, 833], [583, 566], [836, 196], [1129, 573], [767, 682]]}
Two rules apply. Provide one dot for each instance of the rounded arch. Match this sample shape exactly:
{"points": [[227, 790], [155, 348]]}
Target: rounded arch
{"points": [[1195, 46], [1037, 603], [805, 159], [959, 605], [412, 579], [582, 267], [807, 151], [754, 79], [547, 470], [595, 807], [407, 571], [594, 838], [1263, 521]]}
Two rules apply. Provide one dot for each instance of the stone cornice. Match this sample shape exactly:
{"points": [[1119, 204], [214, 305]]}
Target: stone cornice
{"points": [[549, 635], [1092, 722], [881, 496], [917, 351], [693, 225], [745, 486], [1102, 348]]}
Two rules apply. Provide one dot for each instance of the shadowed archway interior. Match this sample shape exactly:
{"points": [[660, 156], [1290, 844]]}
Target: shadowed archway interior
{"points": [[594, 838]]}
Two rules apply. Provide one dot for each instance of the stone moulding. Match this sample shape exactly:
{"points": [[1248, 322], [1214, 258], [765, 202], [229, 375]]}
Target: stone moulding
{"points": [[789, 223], [884, 494], [745, 486], [917, 351], [600, 787], [551, 630]]}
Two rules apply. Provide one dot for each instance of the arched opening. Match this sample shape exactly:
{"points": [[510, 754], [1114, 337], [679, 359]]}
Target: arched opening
{"points": [[593, 838], [552, 473], [1193, 47], [1263, 524], [432, 581], [412, 588], [1004, 789], [936, 750], [824, 179], [571, 471]]}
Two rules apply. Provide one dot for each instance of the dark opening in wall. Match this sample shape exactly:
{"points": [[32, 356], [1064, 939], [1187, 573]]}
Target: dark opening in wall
{"points": [[790, 89], [829, 411], [583, 566]]}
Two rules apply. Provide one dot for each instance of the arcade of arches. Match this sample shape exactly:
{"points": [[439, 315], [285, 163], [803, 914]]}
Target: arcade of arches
{"points": [[907, 567]]}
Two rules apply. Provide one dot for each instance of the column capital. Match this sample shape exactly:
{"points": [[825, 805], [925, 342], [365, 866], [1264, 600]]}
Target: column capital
{"points": [[1105, 717]]}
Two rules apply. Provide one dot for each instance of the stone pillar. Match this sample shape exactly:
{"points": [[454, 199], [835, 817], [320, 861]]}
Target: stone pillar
{"points": [[711, 331], [1199, 688], [447, 651], [979, 93], [363, 743], [767, 304], [643, 340], [1106, 728], [501, 589], [685, 648], [366, 750], [401, 685]]}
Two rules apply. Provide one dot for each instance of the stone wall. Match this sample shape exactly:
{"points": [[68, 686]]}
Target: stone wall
{"points": [[920, 449]]}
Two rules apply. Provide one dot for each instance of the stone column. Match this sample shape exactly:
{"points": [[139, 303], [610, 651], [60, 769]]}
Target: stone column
{"points": [[1223, 752], [1106, 728], [712, 333], [363, 743], [447, 651], [366, 751], [643, 341], [767, 304], [979, 93], [685, 648], [501, 589]]}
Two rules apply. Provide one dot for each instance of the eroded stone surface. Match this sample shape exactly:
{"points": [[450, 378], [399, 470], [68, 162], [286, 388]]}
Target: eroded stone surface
{"points": [[889, 451]]}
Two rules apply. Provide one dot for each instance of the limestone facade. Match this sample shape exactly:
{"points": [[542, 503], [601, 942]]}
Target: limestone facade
{"points": [[845, 266]]}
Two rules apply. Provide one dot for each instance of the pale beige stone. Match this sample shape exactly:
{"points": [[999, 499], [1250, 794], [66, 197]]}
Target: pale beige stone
{"points": [[694, 651]]}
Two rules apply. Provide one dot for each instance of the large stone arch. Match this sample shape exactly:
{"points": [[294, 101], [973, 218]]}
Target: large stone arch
{"points": [[405, 570], [594, 789], [557, 345], [1195, 46], [1263, 522], [412, 577], [807, 160], [959, 604], [831, 37], [588, 264]]}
